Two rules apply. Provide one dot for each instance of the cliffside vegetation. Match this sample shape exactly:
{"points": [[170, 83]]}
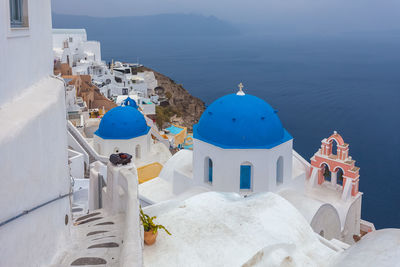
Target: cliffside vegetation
{"points": [[181, 108]]}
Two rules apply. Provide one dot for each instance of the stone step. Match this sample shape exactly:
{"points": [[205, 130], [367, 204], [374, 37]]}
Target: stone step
{"points": [[97, 239]]}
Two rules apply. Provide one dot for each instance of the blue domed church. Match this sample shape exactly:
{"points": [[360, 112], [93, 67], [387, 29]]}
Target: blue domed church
{"points": [[241, 146], [123, 129]]}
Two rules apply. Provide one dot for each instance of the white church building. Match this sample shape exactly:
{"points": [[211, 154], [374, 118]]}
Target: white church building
{"points": [[125, 129], [241, 146]]}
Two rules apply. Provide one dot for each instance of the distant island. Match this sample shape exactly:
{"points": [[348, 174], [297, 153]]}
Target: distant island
{"points": [[162, 25]]}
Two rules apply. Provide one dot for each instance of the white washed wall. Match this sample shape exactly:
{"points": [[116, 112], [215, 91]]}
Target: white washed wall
{"points": [[34, 170], [226, 166], [26, 56], [106, 147]]}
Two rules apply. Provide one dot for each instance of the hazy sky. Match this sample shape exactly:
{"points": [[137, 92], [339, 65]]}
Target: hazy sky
{"points": [[350, 14]]}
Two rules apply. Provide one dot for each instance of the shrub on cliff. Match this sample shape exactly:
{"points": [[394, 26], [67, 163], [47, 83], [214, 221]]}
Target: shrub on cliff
{"points": [[164, 115]]}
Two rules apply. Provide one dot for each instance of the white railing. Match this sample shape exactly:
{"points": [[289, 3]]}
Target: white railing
{"points": [[306, 164], [156, 133], [77, 147], [82, 141], [76, 163]]}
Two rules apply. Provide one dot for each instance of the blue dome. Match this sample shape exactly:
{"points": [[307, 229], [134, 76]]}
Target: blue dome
{"points": [[130, 102], [123, 122], [241, 121]]}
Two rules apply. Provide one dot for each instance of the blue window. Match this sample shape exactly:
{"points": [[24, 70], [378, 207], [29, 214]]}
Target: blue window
{"points": [[245, 177], [17, 13], [210, 170]]}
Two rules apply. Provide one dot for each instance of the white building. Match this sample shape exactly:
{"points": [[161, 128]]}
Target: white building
{"points": [[39, 224], [124, 129], [241, 146], [135, 83], [72, 47], [230, 155], [149, 79], [145, 104], [35, 180], [71, 99]]}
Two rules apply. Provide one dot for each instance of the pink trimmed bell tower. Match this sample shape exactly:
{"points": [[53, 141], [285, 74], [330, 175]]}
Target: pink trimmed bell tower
{"points": [[327, 164]]}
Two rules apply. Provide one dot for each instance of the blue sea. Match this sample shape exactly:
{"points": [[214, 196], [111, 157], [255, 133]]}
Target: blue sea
{"points": [[349, 83]]}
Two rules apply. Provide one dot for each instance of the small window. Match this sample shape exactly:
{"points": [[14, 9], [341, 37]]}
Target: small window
{"points": [[125, 91], [18, 13], [137, 152], [245, 177], [70, 39], [279, 171], [208, 170]]}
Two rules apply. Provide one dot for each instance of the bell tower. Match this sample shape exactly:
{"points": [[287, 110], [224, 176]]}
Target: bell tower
{"points": [[335, 167]]}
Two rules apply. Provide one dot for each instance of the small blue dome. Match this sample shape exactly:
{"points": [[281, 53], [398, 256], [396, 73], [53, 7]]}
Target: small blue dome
{"points": [[123, 122], [241, 121], [130, 102]]}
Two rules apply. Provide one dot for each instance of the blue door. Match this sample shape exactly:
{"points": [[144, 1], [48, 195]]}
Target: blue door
{"points": [[245, 177]]}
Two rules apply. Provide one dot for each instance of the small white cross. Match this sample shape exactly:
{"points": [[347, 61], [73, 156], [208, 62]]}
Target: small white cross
{"points": [[240, 89]]}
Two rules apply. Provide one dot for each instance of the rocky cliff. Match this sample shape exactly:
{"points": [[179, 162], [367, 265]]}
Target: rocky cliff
{"points": [[183, 109]]}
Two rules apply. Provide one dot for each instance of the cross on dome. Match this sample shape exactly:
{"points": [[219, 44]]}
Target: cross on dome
{"points": [[240, 92]]}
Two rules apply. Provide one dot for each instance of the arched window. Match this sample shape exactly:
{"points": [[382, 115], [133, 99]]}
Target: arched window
{"points": [[208, 170], [245, 176], [334, 147], [279, 171], [326, 172], [137, 152], [339, 176]]}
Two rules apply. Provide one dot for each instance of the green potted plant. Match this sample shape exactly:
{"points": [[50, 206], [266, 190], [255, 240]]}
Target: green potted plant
{"points": [[150, 228]]}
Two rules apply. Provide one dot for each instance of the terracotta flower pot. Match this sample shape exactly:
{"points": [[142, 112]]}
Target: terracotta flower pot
{"points": [[150, 237]]}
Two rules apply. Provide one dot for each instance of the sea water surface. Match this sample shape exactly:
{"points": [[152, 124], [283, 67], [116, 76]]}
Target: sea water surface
{"points": [[346, 83]]}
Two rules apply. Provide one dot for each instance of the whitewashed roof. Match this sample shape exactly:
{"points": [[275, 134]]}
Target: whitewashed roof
{"points": [[379, 248], [224, 229]]}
